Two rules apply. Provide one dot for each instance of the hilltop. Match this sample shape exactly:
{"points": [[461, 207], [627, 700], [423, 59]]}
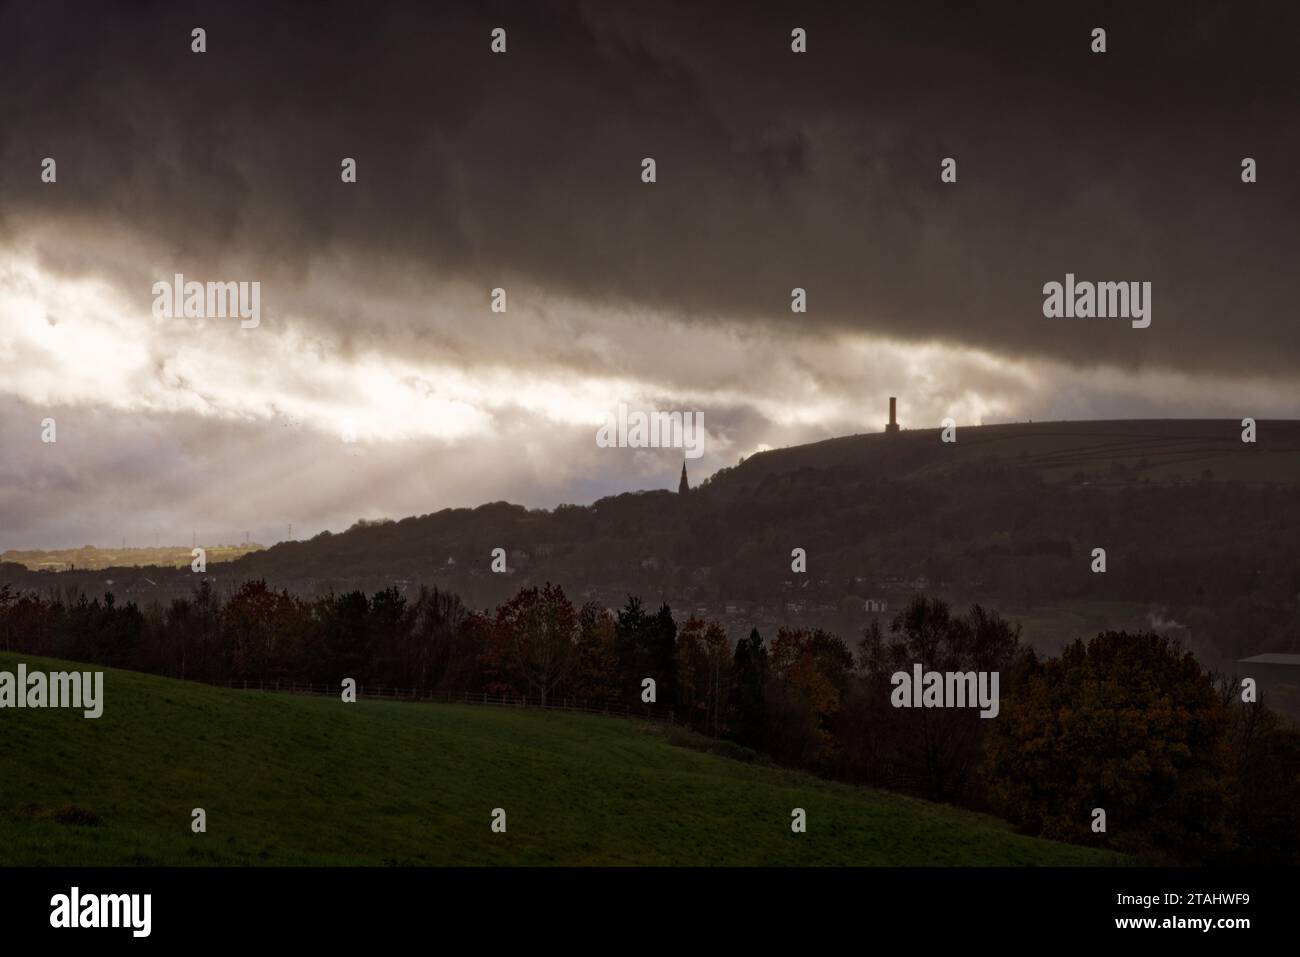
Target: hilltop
{"points": [[1173, 451], [1200, 531]]}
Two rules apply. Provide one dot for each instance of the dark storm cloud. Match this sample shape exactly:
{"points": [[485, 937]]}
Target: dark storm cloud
{"points": [[775, 170]]}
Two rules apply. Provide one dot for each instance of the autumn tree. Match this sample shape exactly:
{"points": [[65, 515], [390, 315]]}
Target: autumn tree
{"points": [[1266, 778], [595, 674], [538, 631], [703, 663], [439, 652], [1130, 724], [934, 752], [809, 671]]}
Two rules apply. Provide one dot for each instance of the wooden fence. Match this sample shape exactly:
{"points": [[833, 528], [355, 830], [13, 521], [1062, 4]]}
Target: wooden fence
{"points": [[578, 705]]}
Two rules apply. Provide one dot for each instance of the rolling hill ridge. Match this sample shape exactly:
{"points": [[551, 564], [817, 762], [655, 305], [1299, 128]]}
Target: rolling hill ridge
{"points": [[1006, 516]]}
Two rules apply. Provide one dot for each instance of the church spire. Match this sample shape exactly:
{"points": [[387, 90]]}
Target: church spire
{"points": [[683, 486]]}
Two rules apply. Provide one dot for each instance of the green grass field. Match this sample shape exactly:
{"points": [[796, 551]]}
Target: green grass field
{"points": [[300, 780]]}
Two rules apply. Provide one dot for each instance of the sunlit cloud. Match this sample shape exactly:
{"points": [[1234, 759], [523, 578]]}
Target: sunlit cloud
{"points": [[418, 373]]}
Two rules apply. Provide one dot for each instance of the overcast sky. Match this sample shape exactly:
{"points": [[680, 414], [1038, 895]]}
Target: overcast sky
{"points": [[522, 171]]}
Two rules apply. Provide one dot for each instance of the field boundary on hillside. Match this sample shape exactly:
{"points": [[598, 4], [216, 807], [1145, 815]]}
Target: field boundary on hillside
{"points": [[414, 695]]}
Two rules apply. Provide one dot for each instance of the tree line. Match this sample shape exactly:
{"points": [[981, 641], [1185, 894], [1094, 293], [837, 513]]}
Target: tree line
{"points": [[1130, 724]]}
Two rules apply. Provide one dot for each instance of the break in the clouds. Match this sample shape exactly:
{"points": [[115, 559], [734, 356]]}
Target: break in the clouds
{"points": [[522, 171]]}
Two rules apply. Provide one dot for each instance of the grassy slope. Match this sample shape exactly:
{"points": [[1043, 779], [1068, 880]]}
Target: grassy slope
{"points": [[1056, 451], [297, 780]]}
